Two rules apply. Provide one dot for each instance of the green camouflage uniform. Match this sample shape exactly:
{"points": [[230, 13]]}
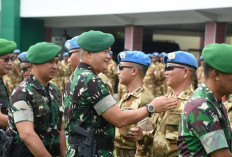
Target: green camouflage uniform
{"points": [[41, 105], [165, 138], [106, 81], [4, 99], [112, 73], [86, 98], [204, 126], [200, 75], [138, 98]]}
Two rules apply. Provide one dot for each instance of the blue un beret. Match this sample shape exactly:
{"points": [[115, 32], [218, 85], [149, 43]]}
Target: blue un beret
{"points": [[23, 58], [71, 44], [16, 51], [162, 54], [149, 55], [201, 58], [181, 57], [155, 54], [111, 53], [134, 57], [65, 54]]}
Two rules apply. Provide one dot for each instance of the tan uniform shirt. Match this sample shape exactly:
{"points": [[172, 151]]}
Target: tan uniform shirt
{"points": [[111, 73], [138, 98], [165, 138], [200, 75]]}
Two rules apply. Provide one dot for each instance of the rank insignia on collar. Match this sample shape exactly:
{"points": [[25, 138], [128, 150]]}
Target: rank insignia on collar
{"points": [[171, 56]]}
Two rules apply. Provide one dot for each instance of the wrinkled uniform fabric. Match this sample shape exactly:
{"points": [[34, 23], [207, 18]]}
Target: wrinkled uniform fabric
{"points": [[4, 99], [130, 101], [86, 98], [204, 126], [112, 73], [42, 105], [165, 138]]}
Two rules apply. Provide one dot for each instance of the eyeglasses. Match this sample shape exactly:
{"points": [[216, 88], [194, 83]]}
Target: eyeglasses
{"points": [[7, 59], [121, 67], [24, 69], [70, 53], [169, 67]]}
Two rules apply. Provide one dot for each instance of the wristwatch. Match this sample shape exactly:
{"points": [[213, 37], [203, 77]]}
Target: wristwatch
{"points": [[150, 109]]}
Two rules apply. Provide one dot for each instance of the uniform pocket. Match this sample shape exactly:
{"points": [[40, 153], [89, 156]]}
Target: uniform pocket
{"points": [[172, 124]]}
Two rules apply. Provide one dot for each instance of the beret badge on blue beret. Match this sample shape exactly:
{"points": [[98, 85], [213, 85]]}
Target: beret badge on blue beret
{"points": [[171, 56], [122, 55], [23, 59], [68, 45]]}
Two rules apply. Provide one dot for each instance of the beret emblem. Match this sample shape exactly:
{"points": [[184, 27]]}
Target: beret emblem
{"points": [[122, 55], [68, 45], [171, 56]]}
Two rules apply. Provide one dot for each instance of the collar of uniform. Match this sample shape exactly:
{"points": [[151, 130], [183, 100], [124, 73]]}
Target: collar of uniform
{"points": [[1, 81], [185, 94], [36, 83], [209, 96], [85, 66], [135, 93]]}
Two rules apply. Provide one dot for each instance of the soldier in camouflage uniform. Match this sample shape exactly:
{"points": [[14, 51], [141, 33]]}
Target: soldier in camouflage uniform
{"points": [[131, 71], [6, 58], [154, 76], [25, 65], [66, 69], [88, 103], [200, 72], [58, 79], [228, 105], [74, 58], [179, 70], [14, 77], [111, 72], [36, 110], [205, 129]]}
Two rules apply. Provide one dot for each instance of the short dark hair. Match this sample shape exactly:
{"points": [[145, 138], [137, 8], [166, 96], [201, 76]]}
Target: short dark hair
{"points": [[207, 70]]}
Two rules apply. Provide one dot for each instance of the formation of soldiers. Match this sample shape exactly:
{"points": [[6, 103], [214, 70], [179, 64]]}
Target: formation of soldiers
{"points": [[67, 108]]}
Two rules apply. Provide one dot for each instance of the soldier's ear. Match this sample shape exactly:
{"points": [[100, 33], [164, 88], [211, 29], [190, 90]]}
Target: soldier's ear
{"points": [[216, 75]]}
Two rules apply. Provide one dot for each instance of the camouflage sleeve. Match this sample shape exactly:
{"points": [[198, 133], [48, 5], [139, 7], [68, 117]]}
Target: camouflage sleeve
{"points": [[203, 121], [99, 95], [22, 112]]}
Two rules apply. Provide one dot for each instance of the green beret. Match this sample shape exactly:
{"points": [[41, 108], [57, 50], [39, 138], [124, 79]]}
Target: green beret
{"points": [[218, 56], [95, 41], [6, 47], [42, 52]]}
